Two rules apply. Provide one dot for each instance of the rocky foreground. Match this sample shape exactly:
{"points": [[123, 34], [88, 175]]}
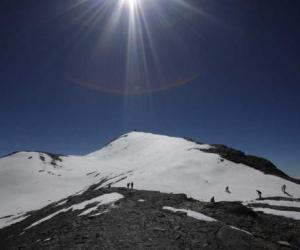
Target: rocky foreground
{"points": [[145, 220]]}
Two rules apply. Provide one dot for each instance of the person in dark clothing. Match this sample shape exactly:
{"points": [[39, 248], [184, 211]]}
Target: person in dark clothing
{"points": [[227, 190], [131, 184], [128, 184], [259, 194], [109, 185], [283, 188], [212, 199]]}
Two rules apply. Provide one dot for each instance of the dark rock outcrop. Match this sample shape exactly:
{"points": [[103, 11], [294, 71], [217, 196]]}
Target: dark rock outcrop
{"points": [[255, 162]]}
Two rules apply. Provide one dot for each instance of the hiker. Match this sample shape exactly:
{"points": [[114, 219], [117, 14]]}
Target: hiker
{"points": [[109, 185], [227, 190], [259, 194], [128, 184], [212, 199], [131, 184], [283, 188]]}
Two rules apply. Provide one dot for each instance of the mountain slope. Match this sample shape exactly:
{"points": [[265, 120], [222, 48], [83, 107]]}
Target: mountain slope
{"points": [[255, 162], [31, 180], [177, 165]]}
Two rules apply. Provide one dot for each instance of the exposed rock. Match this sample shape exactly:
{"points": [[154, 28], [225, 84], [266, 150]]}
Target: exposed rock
{"points": [[146, 225], [258, 163]]}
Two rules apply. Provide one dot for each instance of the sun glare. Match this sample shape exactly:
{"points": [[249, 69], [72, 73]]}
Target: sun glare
{"points": [[132, 4], [147, 32]]}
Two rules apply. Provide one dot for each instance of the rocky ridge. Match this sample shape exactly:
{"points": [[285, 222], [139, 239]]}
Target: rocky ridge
{"points": [[139, 221]]}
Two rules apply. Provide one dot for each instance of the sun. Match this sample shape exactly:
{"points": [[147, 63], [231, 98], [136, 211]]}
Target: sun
{"points": [[137, 33]]}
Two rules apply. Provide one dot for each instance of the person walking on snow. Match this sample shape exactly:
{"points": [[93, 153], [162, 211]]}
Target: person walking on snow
{"points": [[131, 184], [259, 194], [283, 188], [227, 190], [128, 184]]}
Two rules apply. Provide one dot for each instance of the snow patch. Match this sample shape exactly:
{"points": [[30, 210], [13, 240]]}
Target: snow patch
{"points": [[61, 203], [100, 200], [100, 213], [281, 203], [47, 218], [236, 228], [288, 214], [193, 214], [11, 219]]}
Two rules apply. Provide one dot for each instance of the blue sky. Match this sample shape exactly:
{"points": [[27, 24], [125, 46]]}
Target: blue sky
{"points": [[227, 73]]}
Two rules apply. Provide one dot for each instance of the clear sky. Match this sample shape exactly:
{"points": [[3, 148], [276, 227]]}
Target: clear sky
{"points": [[76, 74]]}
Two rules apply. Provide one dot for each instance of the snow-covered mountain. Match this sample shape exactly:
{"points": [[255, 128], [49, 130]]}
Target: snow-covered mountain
{"points": [[31, 180]]}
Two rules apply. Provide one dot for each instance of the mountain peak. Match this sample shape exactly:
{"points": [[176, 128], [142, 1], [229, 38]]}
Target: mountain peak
{"points": [[150, 161]]}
